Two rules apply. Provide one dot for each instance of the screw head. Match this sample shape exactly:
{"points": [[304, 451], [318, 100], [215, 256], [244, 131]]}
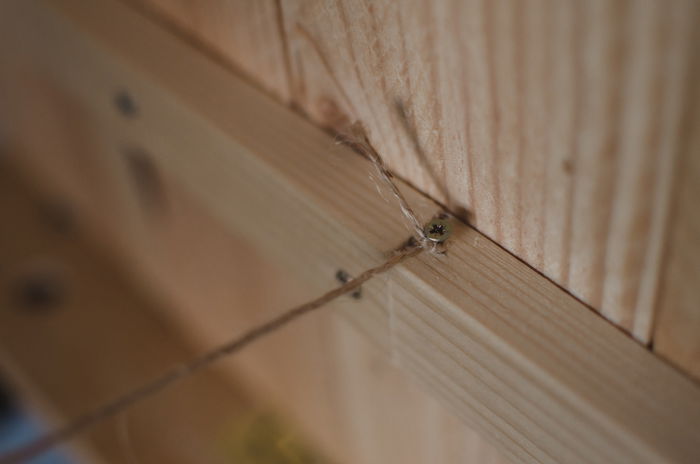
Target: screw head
{"points": [[438, 230]]}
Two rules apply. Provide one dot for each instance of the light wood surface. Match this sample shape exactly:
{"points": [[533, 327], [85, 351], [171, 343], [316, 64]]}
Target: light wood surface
{"points": [[677, 329], [554, 125], [75, 332], [505, 349], [103, 334]]}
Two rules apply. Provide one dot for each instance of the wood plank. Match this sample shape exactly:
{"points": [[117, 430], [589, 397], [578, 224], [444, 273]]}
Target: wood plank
{"points": [[75, 332], [506, 349], [261, 33], [554, 124], [200, 267], [677, 329], [102, 314]]}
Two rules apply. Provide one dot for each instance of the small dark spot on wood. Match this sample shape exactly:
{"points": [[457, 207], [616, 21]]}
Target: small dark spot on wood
{"points": [[125, 104], [464, 214], [568, 166], [39, 291], [331, 115], [343, 277], [146, 178], [58, 216]]}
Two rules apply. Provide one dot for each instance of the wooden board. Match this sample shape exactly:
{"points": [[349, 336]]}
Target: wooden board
{"points": [[530, 366], [57, 350], [677, 329], [200, 268], [75, 332], [553, 125]]}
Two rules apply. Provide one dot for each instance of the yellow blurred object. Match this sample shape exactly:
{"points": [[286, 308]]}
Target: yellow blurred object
{"points": [[265, 438]]}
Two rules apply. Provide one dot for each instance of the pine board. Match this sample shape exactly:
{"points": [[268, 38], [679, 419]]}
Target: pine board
{"points": [[531, 367], [553, 126]]}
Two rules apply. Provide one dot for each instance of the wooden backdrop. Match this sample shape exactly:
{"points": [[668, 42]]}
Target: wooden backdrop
{"points": [[566, 131]]}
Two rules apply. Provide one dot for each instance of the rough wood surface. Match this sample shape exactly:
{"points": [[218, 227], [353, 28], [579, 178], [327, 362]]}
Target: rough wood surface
{"points": [[553, 125], [531, 367]]}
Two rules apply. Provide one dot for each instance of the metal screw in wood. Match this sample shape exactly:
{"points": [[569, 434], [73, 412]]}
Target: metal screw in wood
{"points": [[438, 230]]}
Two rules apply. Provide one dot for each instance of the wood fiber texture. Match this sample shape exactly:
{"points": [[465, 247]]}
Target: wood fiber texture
{"points": [[554, 127], [505, 349]]}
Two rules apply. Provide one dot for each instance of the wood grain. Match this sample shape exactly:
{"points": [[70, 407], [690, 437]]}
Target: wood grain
{"points": [[92, 336], [108, 333], [552, 125], [504, 348], [677, 328]]}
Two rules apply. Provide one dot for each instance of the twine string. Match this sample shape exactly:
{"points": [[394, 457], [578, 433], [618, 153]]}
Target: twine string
{"points": [[165, 380], [359, 140], [412, 248]]}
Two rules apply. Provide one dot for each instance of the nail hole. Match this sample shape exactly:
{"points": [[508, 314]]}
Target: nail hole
{"points": [[147, 181], [126, 104], [58, 215], [568, 166], [40, 291]]}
